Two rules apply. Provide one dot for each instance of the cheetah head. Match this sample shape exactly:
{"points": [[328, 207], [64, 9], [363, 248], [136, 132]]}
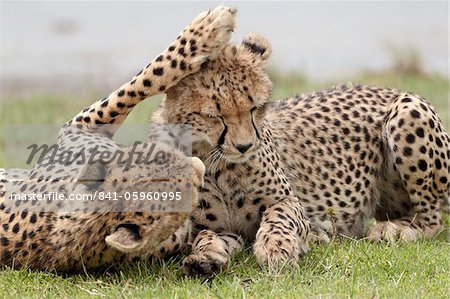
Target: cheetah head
{"points": [[150, 222], [225, 102]]}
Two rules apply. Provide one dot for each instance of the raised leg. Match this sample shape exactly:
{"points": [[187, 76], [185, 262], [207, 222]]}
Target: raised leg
{"points": [[198, 42], [418, 150]]}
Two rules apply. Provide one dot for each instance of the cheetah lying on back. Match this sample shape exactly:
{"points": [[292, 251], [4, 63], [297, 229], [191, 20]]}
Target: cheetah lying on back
{"points": [[282, 174], [85, 238]]}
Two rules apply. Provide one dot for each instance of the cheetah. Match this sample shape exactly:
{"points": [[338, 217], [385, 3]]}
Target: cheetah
{"points": [[83, 239], [282, 174]]}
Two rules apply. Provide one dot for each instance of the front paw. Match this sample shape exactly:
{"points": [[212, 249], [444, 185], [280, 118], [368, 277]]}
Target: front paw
{"points": [[200, 265], [391, 231], [212, 30], [277, 250]]}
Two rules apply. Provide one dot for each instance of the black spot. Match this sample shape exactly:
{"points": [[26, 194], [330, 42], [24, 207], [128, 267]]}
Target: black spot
{"points": [[183, 65], [420, 133], [415, 113], [147, 83], [410, 138], [33, 218], [158, 71], [240, 202], [159, 58], [120, 105], [406, 100], [131, 94], [4, 241], [113, 113], [256, 201], [407, 151], [173, 63], [422, 165], [231, 166], [162, 88], [24, 214], [438, 164], [261, 210], [121, 93], [16, 228]]}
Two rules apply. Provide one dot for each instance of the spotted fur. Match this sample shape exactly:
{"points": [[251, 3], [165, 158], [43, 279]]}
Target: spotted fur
{"points": [[283, 174]]}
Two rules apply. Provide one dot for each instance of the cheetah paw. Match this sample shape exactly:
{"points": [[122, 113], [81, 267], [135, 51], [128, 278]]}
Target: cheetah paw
{"points": [[318, 235], [392, 231], [200, 265], [278, 251], [214, 29], [198, 171]]}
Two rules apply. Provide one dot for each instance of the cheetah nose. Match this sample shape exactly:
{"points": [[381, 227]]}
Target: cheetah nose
{"points": [[243, 147]]}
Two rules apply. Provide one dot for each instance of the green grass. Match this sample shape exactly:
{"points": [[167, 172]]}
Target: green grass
{"points": [[342, 269]]}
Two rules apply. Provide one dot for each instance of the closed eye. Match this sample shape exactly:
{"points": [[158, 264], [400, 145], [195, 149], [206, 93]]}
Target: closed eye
{"points": [[209, 116], [260, 107]]}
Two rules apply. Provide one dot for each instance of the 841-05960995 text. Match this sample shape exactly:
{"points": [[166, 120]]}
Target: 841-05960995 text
{"points": [[100, 195]]}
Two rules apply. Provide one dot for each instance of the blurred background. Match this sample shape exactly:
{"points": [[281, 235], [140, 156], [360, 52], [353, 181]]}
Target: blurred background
{"points": [[57, 57]]}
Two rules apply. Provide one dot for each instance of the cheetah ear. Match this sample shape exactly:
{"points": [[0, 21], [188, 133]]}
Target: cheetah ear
{"points": [[257, 44], [126, 238]]}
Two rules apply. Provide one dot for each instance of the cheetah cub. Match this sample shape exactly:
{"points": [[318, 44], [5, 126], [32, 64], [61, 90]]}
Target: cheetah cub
{"points": [[285, 173]]}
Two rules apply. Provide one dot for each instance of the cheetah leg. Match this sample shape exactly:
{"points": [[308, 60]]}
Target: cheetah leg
{"points": [[419, 151], [211, 252], [282, 236], [198, 42]]}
